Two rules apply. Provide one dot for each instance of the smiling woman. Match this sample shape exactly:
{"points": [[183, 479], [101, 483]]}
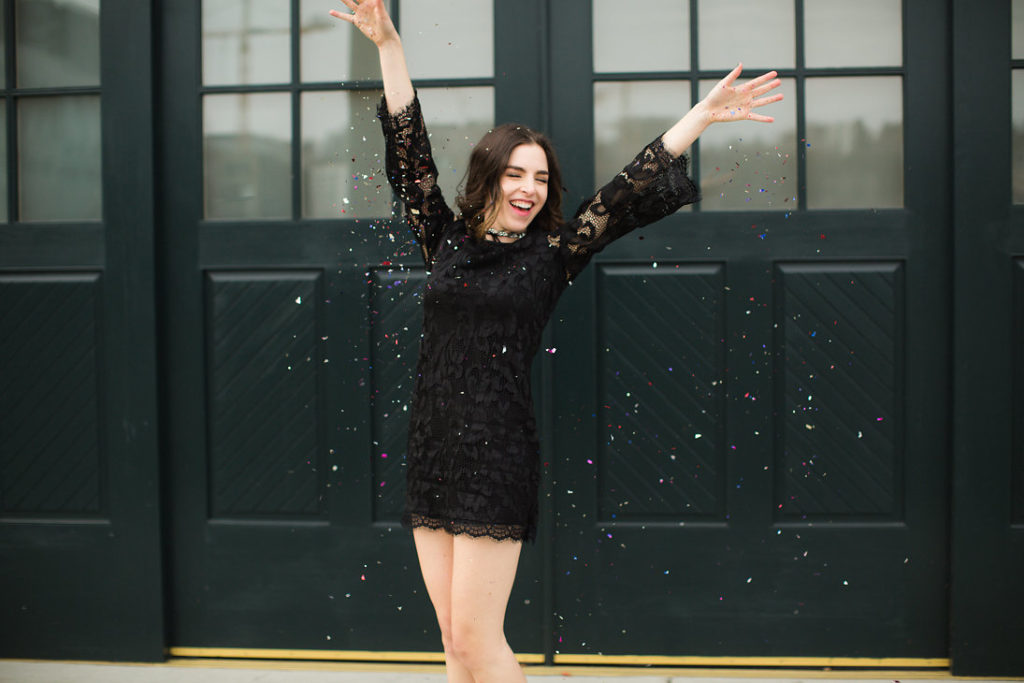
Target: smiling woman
{"points": [[510, 163], [495, 275]]}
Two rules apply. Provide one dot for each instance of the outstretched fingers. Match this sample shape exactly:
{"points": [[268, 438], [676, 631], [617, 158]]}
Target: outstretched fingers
{"points": [[761, 101], [350, 18], [767, 87], [754, 83], [731, 76]]}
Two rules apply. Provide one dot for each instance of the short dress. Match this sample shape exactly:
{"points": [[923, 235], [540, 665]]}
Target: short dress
{"points": [[473, 460]]}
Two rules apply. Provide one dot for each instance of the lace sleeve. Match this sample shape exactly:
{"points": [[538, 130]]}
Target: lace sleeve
{"points": [[413, 175], [649, 188]]}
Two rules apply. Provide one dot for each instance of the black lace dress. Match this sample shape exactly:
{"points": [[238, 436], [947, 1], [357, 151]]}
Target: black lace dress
{"points": [[473, 460]]}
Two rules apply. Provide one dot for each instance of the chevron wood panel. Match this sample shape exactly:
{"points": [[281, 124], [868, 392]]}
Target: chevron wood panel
{"points": [[839, 350], [397, 321], [264, 366], [51, 457], [660, 365]]}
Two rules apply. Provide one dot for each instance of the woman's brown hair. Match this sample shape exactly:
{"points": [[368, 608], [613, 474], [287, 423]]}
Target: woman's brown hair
{"points": [[487, 163]]}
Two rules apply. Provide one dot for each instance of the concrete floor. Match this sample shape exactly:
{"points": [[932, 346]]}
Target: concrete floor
{"points": [[250, 671]]}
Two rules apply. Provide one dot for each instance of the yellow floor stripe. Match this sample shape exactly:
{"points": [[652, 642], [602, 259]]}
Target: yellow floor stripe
{"points": [[816, 662], [895, 663], [328, 655]]}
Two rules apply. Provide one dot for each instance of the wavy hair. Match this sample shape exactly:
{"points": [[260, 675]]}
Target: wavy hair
{"points": [[478, 202]]}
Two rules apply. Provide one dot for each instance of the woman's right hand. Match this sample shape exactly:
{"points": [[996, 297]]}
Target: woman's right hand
{"points": [[371, 18]]}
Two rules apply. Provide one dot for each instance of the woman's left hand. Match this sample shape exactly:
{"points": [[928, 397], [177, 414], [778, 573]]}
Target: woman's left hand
{"points": [[728, 103]]}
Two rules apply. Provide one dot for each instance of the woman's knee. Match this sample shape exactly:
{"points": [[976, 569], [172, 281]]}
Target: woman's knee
{"points": [[474, 647], [444, 621]]}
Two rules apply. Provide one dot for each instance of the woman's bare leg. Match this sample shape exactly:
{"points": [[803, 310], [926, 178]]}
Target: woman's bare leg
{"points": [[482, 573], [434, 548]]}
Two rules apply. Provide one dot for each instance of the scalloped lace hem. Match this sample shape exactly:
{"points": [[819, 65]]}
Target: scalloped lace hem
{"points": [[499, 532]]}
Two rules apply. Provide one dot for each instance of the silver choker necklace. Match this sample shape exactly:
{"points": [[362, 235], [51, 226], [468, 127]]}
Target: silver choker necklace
{"points": [[503, 233]]}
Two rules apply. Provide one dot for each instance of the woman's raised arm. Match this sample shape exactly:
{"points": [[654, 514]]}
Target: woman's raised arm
{"points": [[723, 103], [370, 17]]}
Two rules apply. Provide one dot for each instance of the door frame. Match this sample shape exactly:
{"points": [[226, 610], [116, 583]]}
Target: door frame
{"points": [[987, 537]]}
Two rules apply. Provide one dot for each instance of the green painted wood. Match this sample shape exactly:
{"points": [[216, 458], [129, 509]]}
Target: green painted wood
{"points": [[282, 507], [771, 557], [987, 596], [80, 548]]}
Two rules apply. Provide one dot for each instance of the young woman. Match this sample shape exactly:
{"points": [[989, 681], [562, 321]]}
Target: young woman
{"points": [[495, 273]]}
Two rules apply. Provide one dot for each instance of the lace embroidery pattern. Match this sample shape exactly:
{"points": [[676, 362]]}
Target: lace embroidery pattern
{"points": [[650, 187], [473, 464], [499, 532], [412, 173]]}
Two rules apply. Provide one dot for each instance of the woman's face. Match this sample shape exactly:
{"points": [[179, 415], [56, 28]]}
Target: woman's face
{"points": [[524, 188]]}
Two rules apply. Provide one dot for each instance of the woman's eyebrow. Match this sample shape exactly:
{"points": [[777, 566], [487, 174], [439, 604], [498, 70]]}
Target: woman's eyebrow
{"points": [[523, 170]]}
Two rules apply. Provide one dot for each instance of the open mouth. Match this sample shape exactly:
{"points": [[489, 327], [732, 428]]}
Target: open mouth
{"points": [[521, 207]]}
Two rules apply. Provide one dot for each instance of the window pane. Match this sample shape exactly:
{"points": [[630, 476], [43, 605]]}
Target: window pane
{"points": [[844, 33], [332, 50], [448, 38], [751, 166], [854, 142], [3, 161], [1017, 13], [59, 158], [652, 36], [628, 115], [58, 43], [247, 156], [343, 156], [456, 118], [1018, 135], [759, 33], [246, 41], [3, 49]]}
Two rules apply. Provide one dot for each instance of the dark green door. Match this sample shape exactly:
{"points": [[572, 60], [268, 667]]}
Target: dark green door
{"points": [[744, 406], [80, 560], [751, 440], [291, 319]]}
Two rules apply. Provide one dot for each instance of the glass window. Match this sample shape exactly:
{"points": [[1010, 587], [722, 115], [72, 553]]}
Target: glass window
{"points": [[630, 114], [1017, 45], [246, 42], [448, 38], [343, 152], [3, 49], [456, 118], [759, 33], [844, 33], [3, 161], [57, 43], [59, 155], [854, 142], [652, 36], [331, 50], [343, 156], [751, 166], [247, 155], [1017, 90]]}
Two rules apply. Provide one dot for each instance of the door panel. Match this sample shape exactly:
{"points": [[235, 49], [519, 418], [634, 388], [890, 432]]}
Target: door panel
{"points": [[750, 442], [292, 326], [80, 558]]}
